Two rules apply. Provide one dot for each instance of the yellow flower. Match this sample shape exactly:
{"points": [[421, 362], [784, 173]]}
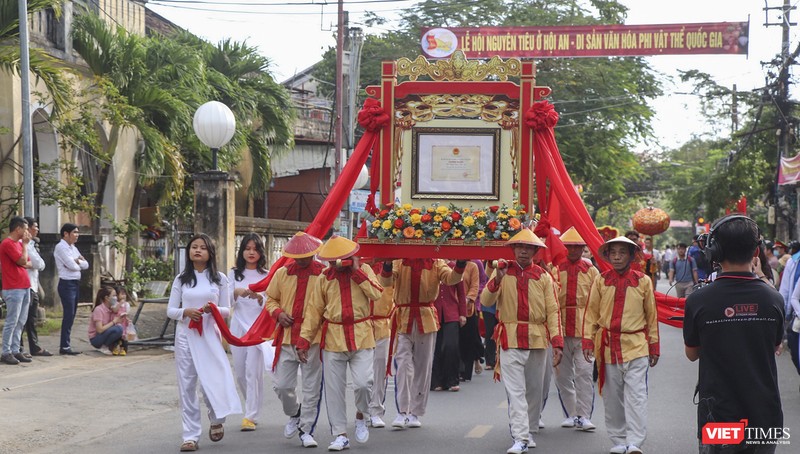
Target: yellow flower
{"points": [[395, 231], [416, 218], [407, 206], [376, 223], [502, 216], [480, 234], [437, 233], [400, 212], [430, 210], [437, 218], [512, 212], [465, 210], [456, 233], [418, 233], [480, 214], [442, 210], [469, 221], [386, 225], [504, 235]]}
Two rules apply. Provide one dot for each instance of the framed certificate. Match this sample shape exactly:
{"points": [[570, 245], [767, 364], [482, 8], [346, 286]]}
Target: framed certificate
{"points": [[455, 163]]}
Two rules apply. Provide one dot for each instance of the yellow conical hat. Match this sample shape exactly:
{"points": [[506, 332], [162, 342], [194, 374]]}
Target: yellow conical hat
{"points": [[619, 240], [301, 245], [525, 236], [572, 238], [337, 247]]}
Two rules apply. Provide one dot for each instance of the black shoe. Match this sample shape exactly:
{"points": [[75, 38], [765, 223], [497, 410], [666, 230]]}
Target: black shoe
{"points": [[22, 357], [8, 358], [67, 351], [41, 352]]}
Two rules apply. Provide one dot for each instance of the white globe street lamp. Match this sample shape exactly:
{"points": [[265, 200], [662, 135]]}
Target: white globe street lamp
{"points": [[214, 125]]}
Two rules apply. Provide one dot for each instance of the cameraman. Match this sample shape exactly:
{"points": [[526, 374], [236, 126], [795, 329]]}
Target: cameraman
{"points": [[735, 326]]}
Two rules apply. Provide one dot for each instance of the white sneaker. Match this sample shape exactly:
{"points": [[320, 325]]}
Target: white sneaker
{"points": [[541, 423], [531, 441], [400, 421], [518, 448], [633, 449], [376, 422], [341, 443], [618, 449], [414, 422], [584, 424], [292, 427], [569, 422], [362, 432], [308, 441]]}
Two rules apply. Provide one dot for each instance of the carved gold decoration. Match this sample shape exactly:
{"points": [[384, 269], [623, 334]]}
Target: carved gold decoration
{"points": [[402, 122], [458, 68], [485, 107]]}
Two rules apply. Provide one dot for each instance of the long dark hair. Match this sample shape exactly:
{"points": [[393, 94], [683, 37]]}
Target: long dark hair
{"points": [[241, 263], [187, 276], [765, 266], [101, 295]]}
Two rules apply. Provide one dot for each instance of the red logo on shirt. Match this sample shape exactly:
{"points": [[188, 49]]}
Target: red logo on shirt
{"points": [[746, 309], [724, 433], [729, 312]]}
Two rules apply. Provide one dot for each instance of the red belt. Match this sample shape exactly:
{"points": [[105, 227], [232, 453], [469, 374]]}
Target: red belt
{"points": [[278, 342], [605, 336], [414, 307], [501, 341], [351, 343]]}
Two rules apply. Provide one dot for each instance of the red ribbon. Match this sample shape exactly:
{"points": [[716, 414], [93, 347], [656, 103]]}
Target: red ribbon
{"points": [[197, 325], [541, 116]]}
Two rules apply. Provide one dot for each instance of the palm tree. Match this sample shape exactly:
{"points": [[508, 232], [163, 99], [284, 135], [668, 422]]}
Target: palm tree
{"points": [[43, 66]]}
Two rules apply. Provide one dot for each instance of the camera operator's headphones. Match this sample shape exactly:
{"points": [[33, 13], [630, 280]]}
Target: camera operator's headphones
{"points": [[713, 249]]}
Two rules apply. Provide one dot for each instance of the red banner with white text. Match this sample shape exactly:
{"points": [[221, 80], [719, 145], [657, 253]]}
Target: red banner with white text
{"points": [[587, 40]]}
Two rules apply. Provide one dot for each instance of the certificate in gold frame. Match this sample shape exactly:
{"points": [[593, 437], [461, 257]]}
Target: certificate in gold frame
{"points": [[455, 163]]}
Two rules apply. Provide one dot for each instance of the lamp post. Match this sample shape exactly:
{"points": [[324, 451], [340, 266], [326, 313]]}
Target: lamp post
{"points": [[214, 125]]}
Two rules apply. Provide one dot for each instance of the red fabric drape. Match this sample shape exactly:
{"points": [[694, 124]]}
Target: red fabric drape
{"points": [[556, 192], [373, 118]]}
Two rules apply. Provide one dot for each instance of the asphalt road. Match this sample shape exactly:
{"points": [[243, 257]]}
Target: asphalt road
{"points": [[95, 404]]}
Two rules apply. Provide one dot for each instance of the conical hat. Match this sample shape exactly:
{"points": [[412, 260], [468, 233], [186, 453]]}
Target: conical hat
{"points": [[572, 238], [301, 245], [618, 240], [337, 247], [525, 236]]}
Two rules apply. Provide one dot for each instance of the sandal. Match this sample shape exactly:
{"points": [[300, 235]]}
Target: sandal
{"points": [[216, 432], [478, 367], [454, 389], [189, 445]]}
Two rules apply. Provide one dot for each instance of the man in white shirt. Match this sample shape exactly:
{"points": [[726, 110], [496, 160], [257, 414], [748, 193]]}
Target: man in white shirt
{"points": [[69, 264], [36, 265]]}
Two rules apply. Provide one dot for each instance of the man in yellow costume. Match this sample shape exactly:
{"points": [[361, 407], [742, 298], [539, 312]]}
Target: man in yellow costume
{"points": [[339, 308], [287, 296], [527, 312], [382, 313], [620, 329], [574, 377], [416, 286]]}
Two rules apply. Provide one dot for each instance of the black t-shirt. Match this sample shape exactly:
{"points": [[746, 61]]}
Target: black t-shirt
{"points": [[737, 321]]}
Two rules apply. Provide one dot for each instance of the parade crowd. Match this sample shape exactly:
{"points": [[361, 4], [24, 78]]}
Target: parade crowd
{"points": [[433, 323]]}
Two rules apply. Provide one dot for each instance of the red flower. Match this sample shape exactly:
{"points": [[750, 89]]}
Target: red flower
{"points": [[414, 211], [426, 218], [456, 216], [446, 226], [384, 213], [494, 208], [492, 226], [541, 116], [398, 223]]}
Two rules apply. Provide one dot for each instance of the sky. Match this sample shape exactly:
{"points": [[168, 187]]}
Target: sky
{"points": [[293, 34]]}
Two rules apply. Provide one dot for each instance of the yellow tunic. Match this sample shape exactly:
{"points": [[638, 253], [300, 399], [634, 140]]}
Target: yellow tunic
{"points": [[288, 292], [621, 321], [576, 282], [526, 319], [382, 311], [416, 286], [339, 308]]}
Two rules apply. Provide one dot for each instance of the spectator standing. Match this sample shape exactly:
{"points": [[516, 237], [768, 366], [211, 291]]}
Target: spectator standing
{"points": [[620, 329], [469, 338], [669, 254], [653, 267], [69, 264], [16, 289], [37, 265], [451, 307], [489, 323], [696, 253], [683, 273], [738, 378]]}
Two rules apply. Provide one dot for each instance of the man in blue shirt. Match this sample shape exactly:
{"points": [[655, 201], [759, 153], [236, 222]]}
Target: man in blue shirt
{"points": [[683, 272]]}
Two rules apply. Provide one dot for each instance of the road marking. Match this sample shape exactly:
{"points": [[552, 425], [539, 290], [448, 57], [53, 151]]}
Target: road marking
{"points": [[478, 431], [86, 372]]}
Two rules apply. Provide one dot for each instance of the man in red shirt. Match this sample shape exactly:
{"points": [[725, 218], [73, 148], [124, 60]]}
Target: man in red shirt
{"points": [[13, 263]]}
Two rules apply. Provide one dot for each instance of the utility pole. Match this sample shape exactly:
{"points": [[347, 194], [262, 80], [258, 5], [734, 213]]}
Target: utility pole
{"points": [[27, 134], [785, 123], [337, 128]]}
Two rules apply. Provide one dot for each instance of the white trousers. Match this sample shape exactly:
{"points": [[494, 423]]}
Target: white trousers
{"points": [[413, 361], [335, 377], [548, 377], [248, 368], [625, 401], [188, 392], [285, 385], [523, 376], [377, 395], [574, 380]]}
